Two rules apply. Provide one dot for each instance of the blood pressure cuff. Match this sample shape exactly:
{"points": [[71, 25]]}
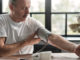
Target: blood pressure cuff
{"points": [[43, 34]]}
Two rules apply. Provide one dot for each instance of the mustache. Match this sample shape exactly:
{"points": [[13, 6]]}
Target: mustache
{"points": [[25, 15]]}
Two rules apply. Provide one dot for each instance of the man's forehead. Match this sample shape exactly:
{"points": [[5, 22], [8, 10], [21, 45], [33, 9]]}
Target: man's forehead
{"points": [[23, 0], [23, 3]]}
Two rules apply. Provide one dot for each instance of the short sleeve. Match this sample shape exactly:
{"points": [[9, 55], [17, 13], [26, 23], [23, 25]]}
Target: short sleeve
{"points": [[43, 34], [2, 29]]}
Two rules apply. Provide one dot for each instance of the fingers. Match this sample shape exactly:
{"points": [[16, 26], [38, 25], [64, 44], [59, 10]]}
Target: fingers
{"points": [[38, 39], [32, 35], [77, 51], [35, 33], [34, 41]]}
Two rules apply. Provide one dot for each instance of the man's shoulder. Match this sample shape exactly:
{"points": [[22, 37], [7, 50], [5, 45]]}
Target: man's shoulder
{"points": [[3, 16], [31, 18], [35, 22]]}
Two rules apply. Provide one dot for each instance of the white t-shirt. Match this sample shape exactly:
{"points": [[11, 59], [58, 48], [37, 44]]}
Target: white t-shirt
{"points": [[15, 32]]}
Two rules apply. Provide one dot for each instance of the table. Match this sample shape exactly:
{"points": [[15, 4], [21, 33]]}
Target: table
{"points": [[18, 57], [65, 56], [56, 56]]}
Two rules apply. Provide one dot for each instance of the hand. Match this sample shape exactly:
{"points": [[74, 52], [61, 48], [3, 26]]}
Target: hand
{"points": [[31, 40], [77, 51]]}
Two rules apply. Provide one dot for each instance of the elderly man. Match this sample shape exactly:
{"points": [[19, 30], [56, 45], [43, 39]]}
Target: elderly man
{"points": [[17, 31]]}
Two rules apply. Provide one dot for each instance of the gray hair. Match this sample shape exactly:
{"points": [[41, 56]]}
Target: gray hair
{"points": [[13, 2]]}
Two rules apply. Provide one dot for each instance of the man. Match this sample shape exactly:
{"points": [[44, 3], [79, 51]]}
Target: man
{"points": [[17, 31]]}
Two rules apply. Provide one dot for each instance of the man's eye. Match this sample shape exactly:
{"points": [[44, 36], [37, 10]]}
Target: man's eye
{"points": [[24, 8]]}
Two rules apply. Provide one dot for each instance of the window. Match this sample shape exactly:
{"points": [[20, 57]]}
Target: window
{"points": [[73, 19], [38, 10], [58, 24], [65, 6], [5, 7], [37, 6], [65, 13], [40, 17]]}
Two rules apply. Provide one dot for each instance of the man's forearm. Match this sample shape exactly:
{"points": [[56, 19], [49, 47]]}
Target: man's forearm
{"points": [[10, 49], [61, 43]]}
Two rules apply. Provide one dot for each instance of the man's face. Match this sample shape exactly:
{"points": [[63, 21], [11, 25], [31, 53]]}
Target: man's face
{"points": [[21, 10]]}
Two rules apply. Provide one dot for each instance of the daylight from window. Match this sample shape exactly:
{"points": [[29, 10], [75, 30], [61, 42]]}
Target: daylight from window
{"points": [[58, 21]]}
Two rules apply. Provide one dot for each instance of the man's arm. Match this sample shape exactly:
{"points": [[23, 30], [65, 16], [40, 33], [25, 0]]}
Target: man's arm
{"points": [[10, 49], [6, 50], [61, 43]]}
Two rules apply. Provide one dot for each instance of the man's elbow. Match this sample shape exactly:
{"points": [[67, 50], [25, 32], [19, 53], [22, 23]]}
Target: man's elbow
{"points": [[4, 52]]}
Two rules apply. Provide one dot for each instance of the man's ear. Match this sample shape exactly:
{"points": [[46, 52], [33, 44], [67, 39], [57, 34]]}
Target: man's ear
{"points": [[11, 7]]}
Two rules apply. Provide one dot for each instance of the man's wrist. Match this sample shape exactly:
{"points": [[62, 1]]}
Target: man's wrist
{"points": [[75, 47]]}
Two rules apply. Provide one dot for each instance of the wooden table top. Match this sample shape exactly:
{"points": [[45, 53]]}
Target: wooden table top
{"points": [[55, 56]]}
